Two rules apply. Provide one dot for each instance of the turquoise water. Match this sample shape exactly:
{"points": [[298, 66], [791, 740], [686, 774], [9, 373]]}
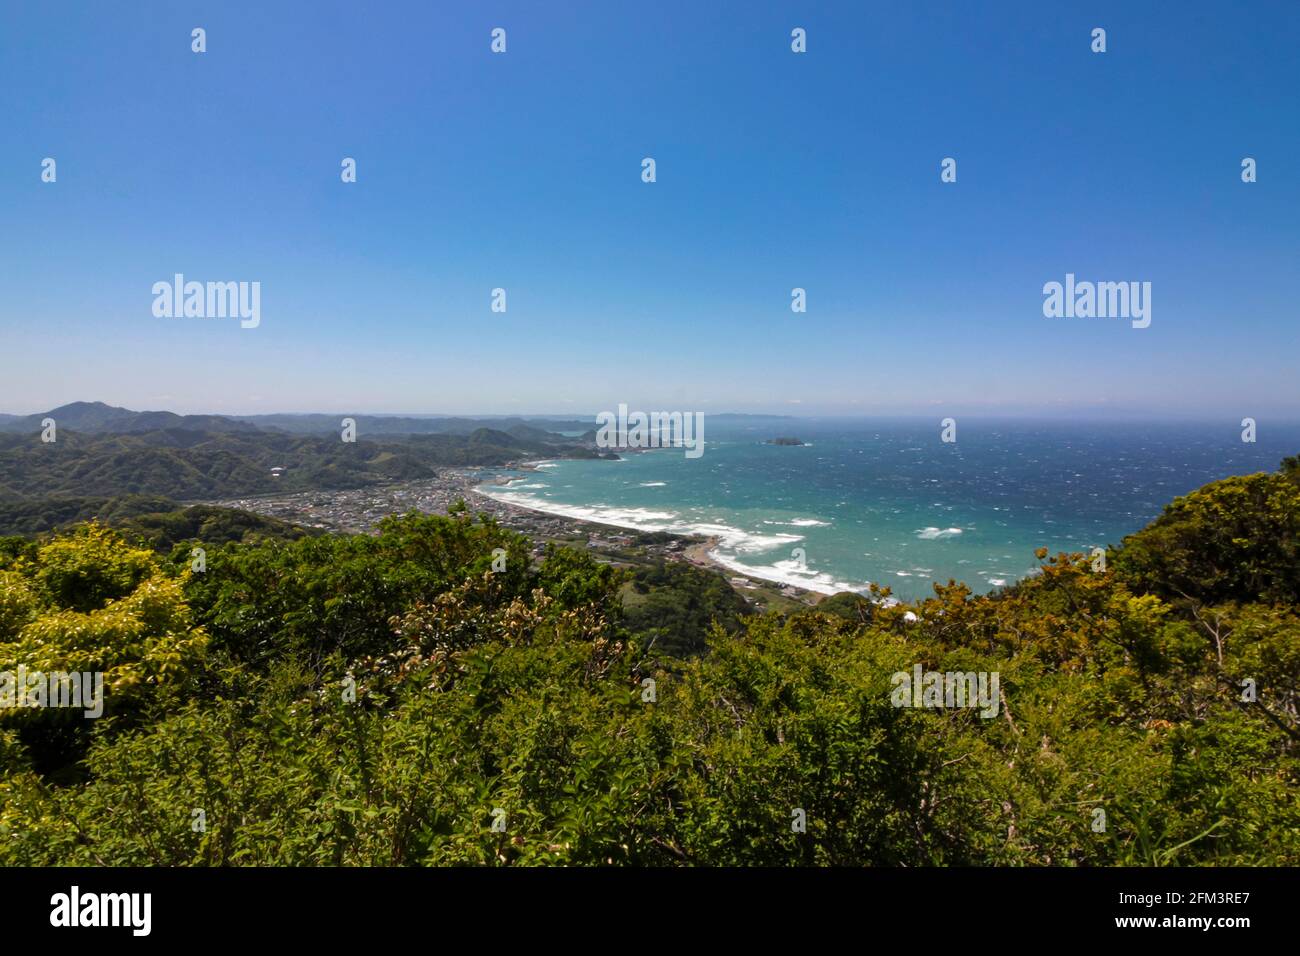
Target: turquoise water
{"points": [[888, 502]]}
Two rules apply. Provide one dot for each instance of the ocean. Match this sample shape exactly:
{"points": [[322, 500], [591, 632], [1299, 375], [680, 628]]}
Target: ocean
{"points": [[889, 502]]}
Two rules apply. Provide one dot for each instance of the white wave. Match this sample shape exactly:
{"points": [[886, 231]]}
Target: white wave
{"points": [[646, 519], [653, 484], [736, 539], [640, 518], [788, 572], [932, 534], [733, 543]]}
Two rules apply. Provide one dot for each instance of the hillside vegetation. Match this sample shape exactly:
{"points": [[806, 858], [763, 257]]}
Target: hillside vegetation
{"points": [[101, 452], [387, 700]]}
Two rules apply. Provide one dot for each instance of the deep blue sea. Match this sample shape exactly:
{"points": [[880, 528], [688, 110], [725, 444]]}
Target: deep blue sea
{"points": [[889, 502]]}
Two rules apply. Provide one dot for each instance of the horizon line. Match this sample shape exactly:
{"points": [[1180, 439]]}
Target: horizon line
{"points": [[1076, 415]]}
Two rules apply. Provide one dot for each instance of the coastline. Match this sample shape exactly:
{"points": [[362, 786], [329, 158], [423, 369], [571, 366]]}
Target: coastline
{"points": [[718, 538], [359, 511], [698, 550]]}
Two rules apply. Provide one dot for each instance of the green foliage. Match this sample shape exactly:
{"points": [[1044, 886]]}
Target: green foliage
{"points": [[374, 700], [31, 515], [208, 525], [672, 606], [86, 570], [848, 605], [1233, 540], [91, 604], [13, 547], [575, 577], [317, 597]]}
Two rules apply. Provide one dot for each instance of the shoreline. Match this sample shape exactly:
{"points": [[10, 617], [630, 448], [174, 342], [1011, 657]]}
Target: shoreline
{"points": [[359, 511], [700, 552]]}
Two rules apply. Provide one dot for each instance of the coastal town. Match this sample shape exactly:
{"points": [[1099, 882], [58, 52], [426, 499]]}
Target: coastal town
{"points": [[360, 510]]}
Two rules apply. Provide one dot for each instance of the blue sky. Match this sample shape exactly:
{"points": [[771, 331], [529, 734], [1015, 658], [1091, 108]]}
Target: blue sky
{"points": [[775, 170]]}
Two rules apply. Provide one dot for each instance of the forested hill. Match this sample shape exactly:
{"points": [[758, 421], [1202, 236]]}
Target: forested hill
{"points": [[99, 417], [100, 451], [432, 695], [158, 521]]}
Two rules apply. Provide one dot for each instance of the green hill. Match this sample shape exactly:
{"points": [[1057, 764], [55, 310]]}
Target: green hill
{"points": [[103, 452]]}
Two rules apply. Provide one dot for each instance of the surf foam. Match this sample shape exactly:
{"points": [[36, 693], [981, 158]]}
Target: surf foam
{"points": [[934, 534]]}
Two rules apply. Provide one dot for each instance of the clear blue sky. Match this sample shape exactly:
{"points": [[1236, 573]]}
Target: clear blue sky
{"points": [[775, 170]]}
